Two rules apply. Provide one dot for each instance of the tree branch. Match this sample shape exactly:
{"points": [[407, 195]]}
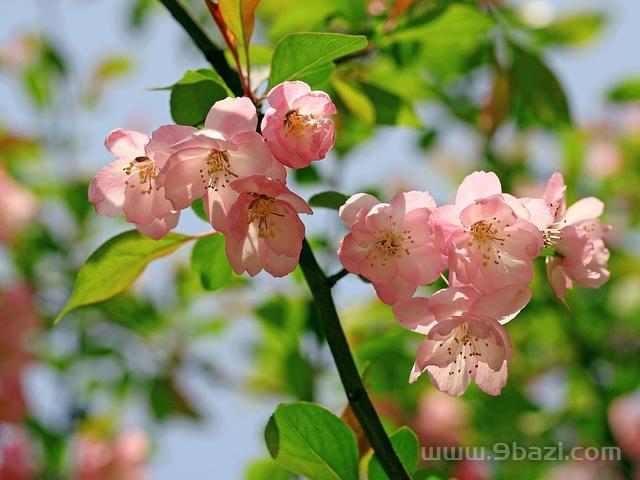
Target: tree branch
{"points": [[335, 278], [212, 53], [351, 381], [318, 283]]}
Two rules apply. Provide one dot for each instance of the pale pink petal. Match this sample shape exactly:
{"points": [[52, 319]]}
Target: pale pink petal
{"points": [[252, 157], [502, 304], [583, 210], [443, 222], [450, 380], [476, 186], [314, 103], [409, 201], [232, 116], [489, 380], [183, 180], [282, 96], [452, 301], [554, 194], [247, 255], [394, 290], [287, 230], [351, 254], [126, 143], [357, 203], [280, 265], [106, 190], [163, 139], [414, 314], [159, 227], [559, 281]]}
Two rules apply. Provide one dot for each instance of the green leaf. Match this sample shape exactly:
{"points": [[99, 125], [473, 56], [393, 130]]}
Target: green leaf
{"points": [[115, 265], [308, 56], [198, 207], [390, 108], [406, 445], [239, 15], [307, 175], [626, 91], [538, 98], [311, 441], [266, 470], [194, 94], [166, 400], [330, 199], [299, 375], [355, 100], [572, 30], [209, 259]]}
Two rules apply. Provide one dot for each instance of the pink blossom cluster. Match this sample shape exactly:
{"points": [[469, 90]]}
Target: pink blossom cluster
{"points": [[238, 173], [487, 241]]}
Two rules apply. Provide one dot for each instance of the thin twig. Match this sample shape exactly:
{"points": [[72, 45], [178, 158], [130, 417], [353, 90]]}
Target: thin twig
{"points": [[335, 278]]}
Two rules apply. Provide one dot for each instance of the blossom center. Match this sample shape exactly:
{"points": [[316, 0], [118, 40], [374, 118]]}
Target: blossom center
{"points": [[145, 171], [217, 171], [295, 123], [260, 210], [390, 245], [465, 344], [484, 236]]}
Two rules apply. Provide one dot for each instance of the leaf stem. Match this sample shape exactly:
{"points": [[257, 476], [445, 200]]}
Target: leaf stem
{"points": [[335, 278], [318, 283], [320, 287], [212, 53]]}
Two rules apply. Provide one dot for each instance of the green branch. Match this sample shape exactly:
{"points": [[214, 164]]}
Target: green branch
{"points": [[212, 53], [320, 287]]}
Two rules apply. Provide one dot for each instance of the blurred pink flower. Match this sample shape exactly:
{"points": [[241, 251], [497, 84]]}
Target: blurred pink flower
{"points": [[441, 420], [390, 243], [18, 321], [15, 462], [122, 459], [468, 469], [465, 337], [604, 159], [488, 244], [624, 420], [17, 207], [129, 184], [296, 125], [13, 406], [264, 230], [583, 470], [204, 165], [578, 236]]}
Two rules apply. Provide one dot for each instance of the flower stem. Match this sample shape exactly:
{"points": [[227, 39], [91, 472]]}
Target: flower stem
{"points": [[318, 282], [320, 287], [212, 53]]}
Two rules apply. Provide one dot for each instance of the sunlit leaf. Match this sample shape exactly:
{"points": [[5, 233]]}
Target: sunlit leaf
{"points": [[116, 264], [625, 91], [240, 16], [333, 200], [210, 261], [571, 30], [406, 444], [308, 56], [266, 469], [359, 104], [194, 95], [311, 441]]}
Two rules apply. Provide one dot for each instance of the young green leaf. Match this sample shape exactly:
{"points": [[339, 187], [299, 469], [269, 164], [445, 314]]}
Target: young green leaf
{"points": [[355, 100], [625, 91], [308, 56], [240, 16], [115, 265], [311, 441], [406, 445], [208, 258], [198, 209], [330, 199], [266, 469], [194, 94]]}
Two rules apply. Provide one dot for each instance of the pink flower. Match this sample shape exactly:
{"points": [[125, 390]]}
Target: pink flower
{"points": [[577, 236], [13, 406], [228, 148], [604, 159], [441, 420], [297, 126], [15, 458], [488, 244], [264, 230], [17, 207], [390, 243], [624, 420], [465, 337], [18, 322], [122, 459], [129, 184]]}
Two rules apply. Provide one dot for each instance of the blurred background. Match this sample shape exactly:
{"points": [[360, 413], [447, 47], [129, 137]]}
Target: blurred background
{"points": [[169, 379]]}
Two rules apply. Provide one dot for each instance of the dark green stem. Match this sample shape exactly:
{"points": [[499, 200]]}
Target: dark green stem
{"points": [[320, 287], [212, 53]]}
